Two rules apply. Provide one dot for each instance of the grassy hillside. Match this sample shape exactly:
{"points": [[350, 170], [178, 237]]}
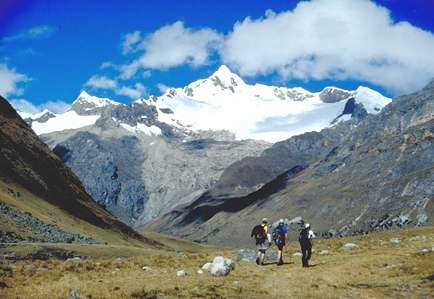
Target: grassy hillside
{"points": [[25, 161], [377, 268], [46, 212]]}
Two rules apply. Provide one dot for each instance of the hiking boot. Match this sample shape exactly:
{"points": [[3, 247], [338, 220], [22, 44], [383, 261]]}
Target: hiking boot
{"points": [[280, 263], [257, 261]]}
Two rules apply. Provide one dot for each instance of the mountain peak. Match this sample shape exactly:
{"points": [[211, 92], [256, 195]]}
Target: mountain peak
{"points": [[226, 76], [223, 71], [83, 94], [85, 98]]}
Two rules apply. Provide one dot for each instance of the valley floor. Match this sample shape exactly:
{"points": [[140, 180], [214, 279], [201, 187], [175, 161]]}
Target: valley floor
{"points": [[391, 264]]}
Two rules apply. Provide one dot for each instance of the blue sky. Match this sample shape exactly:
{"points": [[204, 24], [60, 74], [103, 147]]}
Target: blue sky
{"points": [[50, 50]]}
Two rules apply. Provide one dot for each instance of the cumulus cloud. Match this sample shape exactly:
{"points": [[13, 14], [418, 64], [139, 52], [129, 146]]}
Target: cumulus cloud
{"points": [[56, 106], [9, 81], [162, 87], [101, 82], [28, 107], [147, 74], [107, 65], [333, 39], [105, 83], [133, 92], [36, 32], [170, 46], [130, 42]]}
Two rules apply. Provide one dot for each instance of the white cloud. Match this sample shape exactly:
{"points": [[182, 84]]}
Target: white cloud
{"points": [[56, 106], [28, 107], [146, 74], [172, 45], [130, 42], [107, 65], [42, 31], [162, 87], [105, 83], [333, 39], [9, 80], [135, 92], [101, 82], [24, 106]]}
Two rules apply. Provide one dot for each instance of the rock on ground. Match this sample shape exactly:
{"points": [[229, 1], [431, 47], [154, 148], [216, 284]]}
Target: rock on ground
{"points": [[207, 267], [74, 295], [395, 241], [220, 266], [180, 273], [349, 246]]}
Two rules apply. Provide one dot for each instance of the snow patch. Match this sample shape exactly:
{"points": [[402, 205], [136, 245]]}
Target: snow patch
{"points": [[65, 121], [150, 131], [372, 100]]}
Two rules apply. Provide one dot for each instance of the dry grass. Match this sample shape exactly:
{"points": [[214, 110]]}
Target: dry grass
{"points": [[376, 269]]}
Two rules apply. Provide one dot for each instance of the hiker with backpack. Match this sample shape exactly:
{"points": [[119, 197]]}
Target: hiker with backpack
{"points": [[280, 236], [263, 240], [305, 239]]}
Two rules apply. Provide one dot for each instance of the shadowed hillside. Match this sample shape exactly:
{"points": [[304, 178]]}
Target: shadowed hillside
{"points": [[28, 168]]}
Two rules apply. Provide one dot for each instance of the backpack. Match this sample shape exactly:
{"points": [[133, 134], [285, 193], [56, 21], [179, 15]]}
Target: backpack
{"points": [[304, 234], [259, 233], [278, 236]]}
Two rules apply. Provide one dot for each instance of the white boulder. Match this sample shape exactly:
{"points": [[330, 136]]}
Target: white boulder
{"points": [[220, 266], [395, 241], [180, 273], [349, 246], [207, 267]]}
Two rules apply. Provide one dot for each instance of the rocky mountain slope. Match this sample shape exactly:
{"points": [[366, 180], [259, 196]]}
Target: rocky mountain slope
{"points": [[33, 178], [347, 179], [142, 159]]}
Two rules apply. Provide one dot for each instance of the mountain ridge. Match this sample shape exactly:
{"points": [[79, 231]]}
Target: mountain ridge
{"points": [[140, 160], [269, 113], [378, 176]]}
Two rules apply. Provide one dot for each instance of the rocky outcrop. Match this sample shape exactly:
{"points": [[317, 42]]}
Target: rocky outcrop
{"points": [[333, 95], [38, 231]]}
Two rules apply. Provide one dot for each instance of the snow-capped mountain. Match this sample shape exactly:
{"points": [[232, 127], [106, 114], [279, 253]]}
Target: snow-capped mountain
{"points": [[224, 101]]}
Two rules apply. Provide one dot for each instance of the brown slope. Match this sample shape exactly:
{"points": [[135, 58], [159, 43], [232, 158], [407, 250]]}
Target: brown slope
{"points": [[28, 162]]}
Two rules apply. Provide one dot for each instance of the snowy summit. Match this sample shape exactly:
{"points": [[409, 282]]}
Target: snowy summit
{"points": [[224, 101]]}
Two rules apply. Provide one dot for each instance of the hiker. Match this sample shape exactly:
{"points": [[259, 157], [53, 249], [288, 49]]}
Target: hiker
{"points": [[280, 236], [263, 240], [305, 239]]}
